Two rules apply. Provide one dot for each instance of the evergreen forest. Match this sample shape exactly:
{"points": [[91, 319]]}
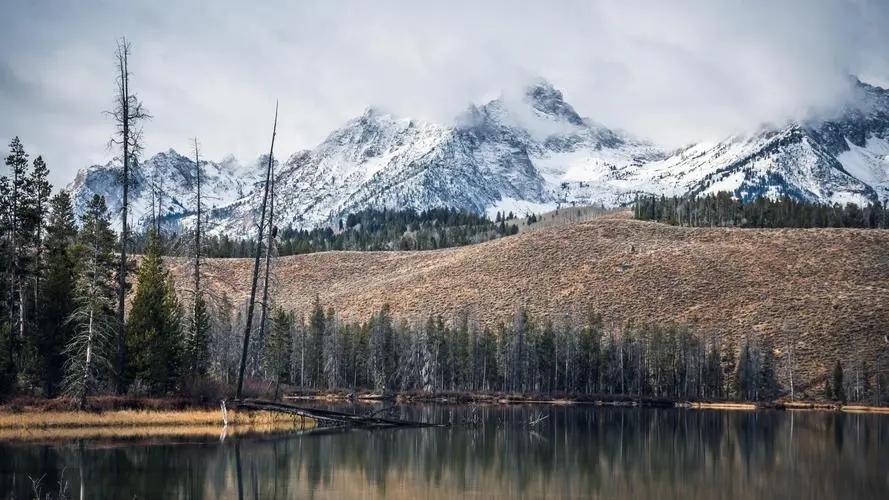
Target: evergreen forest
{"points": [[724, 210]]}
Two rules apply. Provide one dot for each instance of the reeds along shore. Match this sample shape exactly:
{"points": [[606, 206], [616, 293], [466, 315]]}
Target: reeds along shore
{"points": [[35, 424]]}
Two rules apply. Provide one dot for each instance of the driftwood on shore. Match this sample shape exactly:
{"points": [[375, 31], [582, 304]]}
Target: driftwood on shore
{"points": [[331, 418]]}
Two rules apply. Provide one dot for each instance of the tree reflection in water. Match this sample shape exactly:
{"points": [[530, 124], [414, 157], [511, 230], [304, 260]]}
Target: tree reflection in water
{"points": [[573, 452]]}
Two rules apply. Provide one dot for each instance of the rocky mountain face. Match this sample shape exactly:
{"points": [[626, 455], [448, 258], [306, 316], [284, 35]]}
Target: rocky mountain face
{"points": [[531, 153], [166, 184]]}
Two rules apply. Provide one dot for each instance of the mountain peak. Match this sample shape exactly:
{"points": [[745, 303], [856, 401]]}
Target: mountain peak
{"points": [[376, 113], [547, 99]]}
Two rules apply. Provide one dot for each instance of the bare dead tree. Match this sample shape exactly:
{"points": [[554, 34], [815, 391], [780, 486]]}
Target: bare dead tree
{"points": [[264, 313], [250, 304], [127, 114], [790, 340], [197, 224]]}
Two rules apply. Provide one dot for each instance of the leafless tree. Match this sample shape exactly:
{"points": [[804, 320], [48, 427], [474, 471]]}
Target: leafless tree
{"points": [[270, 248], [197, 223], [127, 114], [250, 304], [332, 352], [790, 341]]}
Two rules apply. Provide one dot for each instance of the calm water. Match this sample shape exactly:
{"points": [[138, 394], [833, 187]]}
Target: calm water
{"points": [[573, 452]]}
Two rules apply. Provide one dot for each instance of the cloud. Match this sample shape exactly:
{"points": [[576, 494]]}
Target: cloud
{"points": [[674, 71]]}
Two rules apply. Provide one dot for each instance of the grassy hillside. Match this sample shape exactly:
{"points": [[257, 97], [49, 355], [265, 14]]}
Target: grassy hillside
{"points": [[829, 286]]}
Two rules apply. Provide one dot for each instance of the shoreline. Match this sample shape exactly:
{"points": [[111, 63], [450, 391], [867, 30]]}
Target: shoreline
{"points": [[33, 424], [465, 398], [34, 419]]}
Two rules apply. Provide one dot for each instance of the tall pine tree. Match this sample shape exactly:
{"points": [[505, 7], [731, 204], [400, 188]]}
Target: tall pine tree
{"points": [[154, 333], [7, 367], [55, 300], [90, 350], [17, 231]]}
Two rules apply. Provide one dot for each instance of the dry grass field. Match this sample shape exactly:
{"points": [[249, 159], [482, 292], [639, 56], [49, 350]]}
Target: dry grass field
{"points": [[48, 425], [828, 286]]}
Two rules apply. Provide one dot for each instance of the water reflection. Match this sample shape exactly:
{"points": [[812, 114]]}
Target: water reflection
{"points": [[531, 452]]}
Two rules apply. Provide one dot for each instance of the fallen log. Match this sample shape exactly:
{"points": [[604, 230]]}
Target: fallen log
{"points": [[332, 418]]}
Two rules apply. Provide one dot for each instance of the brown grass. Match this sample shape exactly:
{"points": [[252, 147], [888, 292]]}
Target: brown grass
{"points": [[723, 406], [568, 215], [829, 286], [865, 409], [33, 425]]}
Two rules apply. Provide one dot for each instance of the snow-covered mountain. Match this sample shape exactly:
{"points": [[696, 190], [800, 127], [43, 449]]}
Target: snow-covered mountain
{"points": [[833, 156], [174, 176], [530, 153]]}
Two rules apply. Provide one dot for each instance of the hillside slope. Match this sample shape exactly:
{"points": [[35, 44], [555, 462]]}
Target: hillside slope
{"points": [[831, 286]]}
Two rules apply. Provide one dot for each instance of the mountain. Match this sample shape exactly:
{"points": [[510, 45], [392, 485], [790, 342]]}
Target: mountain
{"points": [[533, 153], [833, 156], [175, 178], [500, 156]]}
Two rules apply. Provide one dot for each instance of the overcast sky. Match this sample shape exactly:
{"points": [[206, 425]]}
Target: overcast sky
{"points": [[674, 71]]}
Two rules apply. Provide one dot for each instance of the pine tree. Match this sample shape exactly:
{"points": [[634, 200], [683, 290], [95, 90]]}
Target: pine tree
{"points": [[331, 350], [154, 337], [313, 351], [197, 347], [56, 297], [744, 375], [546, 358], [839, 390], [767, 384], [382, 355], [280, 345], [89, 351], [7, 367], [26, 196], [40, 190], [17, 161]]}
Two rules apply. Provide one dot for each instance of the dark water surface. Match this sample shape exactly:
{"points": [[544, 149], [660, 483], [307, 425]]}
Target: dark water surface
{"points": [[570, 452]]}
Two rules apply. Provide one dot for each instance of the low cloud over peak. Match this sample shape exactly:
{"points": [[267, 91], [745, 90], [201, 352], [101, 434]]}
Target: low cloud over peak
{"points": [[676, 71]]}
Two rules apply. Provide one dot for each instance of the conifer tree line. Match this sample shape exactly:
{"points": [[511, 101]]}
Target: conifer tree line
{"points": [[372, 230], [574, 354], [60, 281], [724, 210]]}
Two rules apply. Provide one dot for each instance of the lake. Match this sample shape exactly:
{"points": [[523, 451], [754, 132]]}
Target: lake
{"points": [[489, 452]]}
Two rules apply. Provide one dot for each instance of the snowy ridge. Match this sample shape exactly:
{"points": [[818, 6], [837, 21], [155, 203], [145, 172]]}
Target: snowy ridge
{"points": [[175, 178], [524, 154]]}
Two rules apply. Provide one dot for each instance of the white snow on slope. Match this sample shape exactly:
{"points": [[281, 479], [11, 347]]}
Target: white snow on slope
{"points": [[526, 154], [869, 163]]}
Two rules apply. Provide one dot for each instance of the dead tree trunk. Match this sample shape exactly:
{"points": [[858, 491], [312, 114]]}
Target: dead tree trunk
{"points": [[264, 313], [255, 278], [127, 113]]}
